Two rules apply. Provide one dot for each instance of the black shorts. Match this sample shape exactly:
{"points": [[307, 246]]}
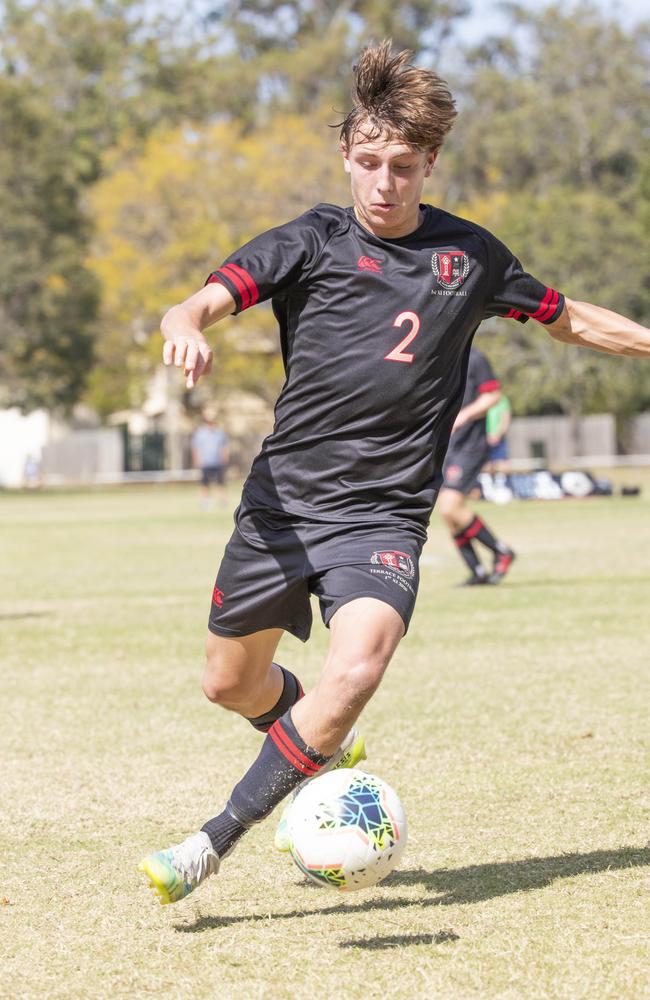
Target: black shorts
{"points": [[462, 467], [213, 474], [275, 560]]}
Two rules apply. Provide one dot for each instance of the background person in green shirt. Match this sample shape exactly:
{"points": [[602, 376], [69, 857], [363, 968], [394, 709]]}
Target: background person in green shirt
{"points": [[497, 424]]}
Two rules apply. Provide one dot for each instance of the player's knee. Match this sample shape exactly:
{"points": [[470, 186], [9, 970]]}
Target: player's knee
{"points": [[448, 502], [223, 687]]}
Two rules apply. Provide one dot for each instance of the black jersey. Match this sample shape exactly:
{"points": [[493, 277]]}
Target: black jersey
{"points": [[375, 338], [480, 378]]}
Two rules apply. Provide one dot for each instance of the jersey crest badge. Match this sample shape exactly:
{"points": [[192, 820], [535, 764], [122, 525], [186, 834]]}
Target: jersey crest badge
{"points": [[369, 264], [399, 561], [450, 267]]}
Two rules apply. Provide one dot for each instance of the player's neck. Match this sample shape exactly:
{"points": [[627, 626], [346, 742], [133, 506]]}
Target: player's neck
{"points": [[388, 232]]}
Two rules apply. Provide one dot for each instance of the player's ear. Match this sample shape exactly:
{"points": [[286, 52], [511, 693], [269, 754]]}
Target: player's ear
{"points": [[346, 157], [430, 162]]}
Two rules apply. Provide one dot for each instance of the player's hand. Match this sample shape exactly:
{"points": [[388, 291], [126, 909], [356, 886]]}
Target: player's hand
{"points": [[192, 353]]}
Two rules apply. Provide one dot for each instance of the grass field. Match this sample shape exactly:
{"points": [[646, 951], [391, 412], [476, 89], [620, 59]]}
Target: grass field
{"points": [[513, 721]]}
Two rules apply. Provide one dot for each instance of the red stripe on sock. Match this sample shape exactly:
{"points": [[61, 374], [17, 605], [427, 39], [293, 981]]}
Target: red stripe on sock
{"points": [[295, 750], [290, 751], [473, 529]]}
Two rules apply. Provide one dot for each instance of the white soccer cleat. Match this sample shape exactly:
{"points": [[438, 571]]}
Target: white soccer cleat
{"points": [[176, 872], [351, 751]]}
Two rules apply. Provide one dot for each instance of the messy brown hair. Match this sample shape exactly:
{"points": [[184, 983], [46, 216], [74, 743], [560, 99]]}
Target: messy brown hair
{"points": [[395, 100]]}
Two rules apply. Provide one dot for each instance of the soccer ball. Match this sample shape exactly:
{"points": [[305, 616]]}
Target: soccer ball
{"points": [[347, 829]]}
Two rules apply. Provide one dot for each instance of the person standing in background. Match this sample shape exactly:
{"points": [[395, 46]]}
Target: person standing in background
{"points": [[497, 425], [210, 454]]}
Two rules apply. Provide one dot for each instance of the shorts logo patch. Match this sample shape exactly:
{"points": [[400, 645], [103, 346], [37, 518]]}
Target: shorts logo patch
{"points": [[450, 267], [399, 561], [453, 473], [217, 597]]}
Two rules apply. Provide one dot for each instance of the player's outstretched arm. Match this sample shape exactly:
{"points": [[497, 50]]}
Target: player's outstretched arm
{"points": [[182, 327], [592, 326]]}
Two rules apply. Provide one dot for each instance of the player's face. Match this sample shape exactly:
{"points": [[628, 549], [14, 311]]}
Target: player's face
{"points": [[387, 177]]}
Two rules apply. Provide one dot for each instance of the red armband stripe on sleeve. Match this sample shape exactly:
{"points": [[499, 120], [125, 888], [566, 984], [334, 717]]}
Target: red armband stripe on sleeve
{"points": [[547, 307], [234, 278], [243, 275], [513, 314], [490, 386]]}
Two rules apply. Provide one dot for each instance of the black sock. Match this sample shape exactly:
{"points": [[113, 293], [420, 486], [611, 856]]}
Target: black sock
{"points": [[291, 693], [463, 540], [283, 762], [482, 533]]}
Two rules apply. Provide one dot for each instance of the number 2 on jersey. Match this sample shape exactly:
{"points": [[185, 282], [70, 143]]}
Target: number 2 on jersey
{"points": [[398, 353]]}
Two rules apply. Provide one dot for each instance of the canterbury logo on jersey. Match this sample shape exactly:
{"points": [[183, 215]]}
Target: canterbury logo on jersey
{"points": [[369, 264]]}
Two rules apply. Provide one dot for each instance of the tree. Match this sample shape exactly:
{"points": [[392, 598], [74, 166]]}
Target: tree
{"points": [[301, 52], [167, 217], [48, 298], [75, 76], [551, 153]]}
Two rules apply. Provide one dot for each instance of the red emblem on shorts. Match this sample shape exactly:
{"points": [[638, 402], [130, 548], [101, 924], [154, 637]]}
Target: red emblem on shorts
{"points": [[369, 264], [217, 597], [453, 473], [450, 267], [399, 561]]}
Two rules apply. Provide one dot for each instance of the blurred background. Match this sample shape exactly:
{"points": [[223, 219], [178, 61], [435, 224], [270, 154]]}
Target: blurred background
{"points": [[141, 142]]}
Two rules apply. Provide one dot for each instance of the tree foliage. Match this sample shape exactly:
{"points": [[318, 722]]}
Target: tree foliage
{"points": [[551, 154], [144, 142], [169, 216], [48, 298]]}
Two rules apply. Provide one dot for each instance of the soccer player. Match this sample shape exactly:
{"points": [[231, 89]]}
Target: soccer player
{"points": [[467, 454], [377, 305]]}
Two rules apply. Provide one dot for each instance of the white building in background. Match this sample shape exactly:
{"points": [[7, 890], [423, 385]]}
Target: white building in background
{"points": [[22, 439]]}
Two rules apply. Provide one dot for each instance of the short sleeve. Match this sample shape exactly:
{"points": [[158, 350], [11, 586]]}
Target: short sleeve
{"points": [[273, 262], [515, 294]]}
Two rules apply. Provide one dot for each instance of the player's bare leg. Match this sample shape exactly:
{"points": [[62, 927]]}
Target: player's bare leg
{"points": [[364, 635], [240, 674], [466, 527]]}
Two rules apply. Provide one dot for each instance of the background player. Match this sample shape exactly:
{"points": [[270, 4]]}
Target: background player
{"points": [[377, 306], [468, 452], [210, 454]]}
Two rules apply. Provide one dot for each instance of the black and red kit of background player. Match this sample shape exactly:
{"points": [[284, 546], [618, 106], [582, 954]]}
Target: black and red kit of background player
{"points": [[467, 453]]}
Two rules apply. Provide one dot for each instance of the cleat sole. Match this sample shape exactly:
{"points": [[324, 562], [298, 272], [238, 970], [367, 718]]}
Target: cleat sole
{"points": [[157, 875]]}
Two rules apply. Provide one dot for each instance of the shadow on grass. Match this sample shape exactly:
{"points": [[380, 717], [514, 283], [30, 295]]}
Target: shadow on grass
{"points": [[17, 615], [472, 884], [399, 940], [478, 883]]}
